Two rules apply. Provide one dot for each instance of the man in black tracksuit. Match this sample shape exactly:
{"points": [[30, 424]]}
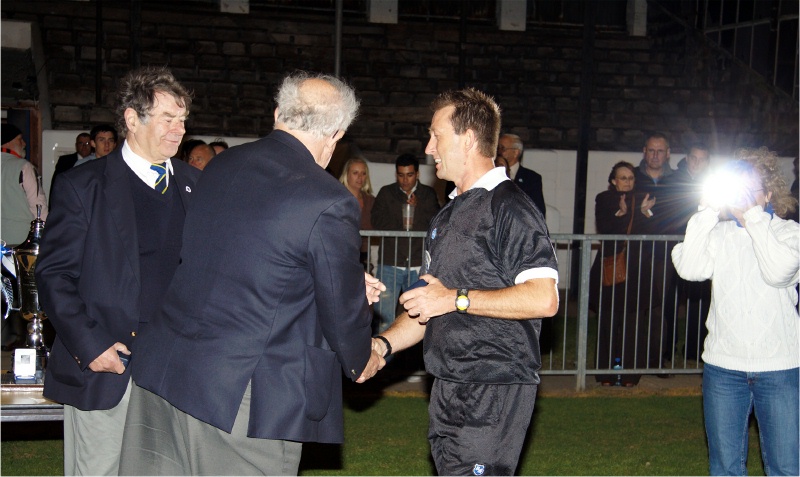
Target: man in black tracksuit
{"points": [[491, 274]]}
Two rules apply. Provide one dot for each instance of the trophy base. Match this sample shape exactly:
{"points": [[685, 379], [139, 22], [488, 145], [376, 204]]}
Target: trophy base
{"points": [[31, 361], [29, 365]]}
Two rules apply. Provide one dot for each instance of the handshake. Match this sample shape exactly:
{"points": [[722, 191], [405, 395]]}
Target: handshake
{"points": [[376, 362], [380, 347]]}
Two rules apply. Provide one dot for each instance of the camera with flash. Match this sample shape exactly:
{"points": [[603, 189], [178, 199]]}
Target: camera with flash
{"points": [[732, 186]]}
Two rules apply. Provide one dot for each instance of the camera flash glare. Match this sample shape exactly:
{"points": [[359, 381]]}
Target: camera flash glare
{"points": [[723, 188]]}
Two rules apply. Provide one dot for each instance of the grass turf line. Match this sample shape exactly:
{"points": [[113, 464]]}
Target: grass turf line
{"points": [[650, 435]]}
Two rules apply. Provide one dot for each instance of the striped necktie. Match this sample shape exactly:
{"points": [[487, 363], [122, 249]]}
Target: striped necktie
{"points": [[161, 182]]}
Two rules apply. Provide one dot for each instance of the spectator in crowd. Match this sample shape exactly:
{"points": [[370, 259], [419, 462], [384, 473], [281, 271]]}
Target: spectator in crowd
{"points": [[491, 273], [266, 309], [401, 259], [510, 148], [103, 139], [197, 153], [355, 176], [110, 249], [21, 192], [654, 167], [219, 145], [622, 327], [684, 187], [684, 193], [83, 149], [752, 352], [651, 179]]}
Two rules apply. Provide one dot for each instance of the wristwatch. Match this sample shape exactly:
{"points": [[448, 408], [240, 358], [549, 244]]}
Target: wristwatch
{"points": [[462, 300]]}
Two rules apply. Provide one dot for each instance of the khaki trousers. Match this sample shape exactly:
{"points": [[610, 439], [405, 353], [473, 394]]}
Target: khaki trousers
{"points": [[163, 440], [93, 439]]}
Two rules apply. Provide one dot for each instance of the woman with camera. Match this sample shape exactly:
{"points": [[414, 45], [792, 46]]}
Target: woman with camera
{"points": [[615, 279], [752, 352]]}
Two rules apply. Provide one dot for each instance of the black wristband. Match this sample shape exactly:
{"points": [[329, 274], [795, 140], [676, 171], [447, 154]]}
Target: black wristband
{"points": [[388, 346]]}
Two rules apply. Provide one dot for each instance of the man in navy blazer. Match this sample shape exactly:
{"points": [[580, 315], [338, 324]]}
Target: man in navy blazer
{"points": [[510, 148], [83, 148], [266, 309], [109, 249]]}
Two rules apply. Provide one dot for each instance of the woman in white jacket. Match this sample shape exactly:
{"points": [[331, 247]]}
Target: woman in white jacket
{"points": [[752, 352]]}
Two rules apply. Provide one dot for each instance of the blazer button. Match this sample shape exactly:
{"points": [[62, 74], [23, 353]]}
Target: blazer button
{"points": [[76, 359], [133, 333]]}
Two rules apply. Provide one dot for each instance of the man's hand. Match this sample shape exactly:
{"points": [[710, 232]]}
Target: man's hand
{"points": [[412, 199], [109, 361], [375, 364], [430, 301], [374, 288], [647, 204]]}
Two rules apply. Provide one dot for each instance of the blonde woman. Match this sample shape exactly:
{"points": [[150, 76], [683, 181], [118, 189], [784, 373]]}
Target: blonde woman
{"points": [[752, 351], [355, 176]]}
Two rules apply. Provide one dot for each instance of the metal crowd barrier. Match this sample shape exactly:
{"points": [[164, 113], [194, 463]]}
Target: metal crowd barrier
{"points": [[652, 307]]}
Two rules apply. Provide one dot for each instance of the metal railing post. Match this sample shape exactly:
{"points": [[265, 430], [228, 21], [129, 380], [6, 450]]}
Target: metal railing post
{"points": [[583, 315]]}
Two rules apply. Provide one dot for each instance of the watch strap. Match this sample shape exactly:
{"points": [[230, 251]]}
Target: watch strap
{"points": [[386, 342]]}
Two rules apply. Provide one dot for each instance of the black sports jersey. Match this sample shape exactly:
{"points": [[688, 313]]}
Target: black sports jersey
{"points": [[493, 236]]}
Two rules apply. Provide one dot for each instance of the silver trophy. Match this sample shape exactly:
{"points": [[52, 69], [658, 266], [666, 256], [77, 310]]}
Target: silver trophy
{"points": [[25, 255]]}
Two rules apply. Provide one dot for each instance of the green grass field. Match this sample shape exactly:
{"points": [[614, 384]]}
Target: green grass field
{"points": [[652, 435]]}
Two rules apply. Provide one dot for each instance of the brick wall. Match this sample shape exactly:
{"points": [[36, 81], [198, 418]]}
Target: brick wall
{"points": [[234, 62]]}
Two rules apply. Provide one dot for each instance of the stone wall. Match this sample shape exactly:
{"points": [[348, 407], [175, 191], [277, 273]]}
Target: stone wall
{"points": [[234, 62]]}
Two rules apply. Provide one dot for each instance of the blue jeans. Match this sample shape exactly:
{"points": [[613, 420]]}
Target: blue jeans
{"points": [[728, 399], [396, 279]]}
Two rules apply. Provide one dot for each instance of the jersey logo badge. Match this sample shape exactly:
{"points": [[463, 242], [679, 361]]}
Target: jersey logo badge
{"points": [[433, 234], [479, 469]]}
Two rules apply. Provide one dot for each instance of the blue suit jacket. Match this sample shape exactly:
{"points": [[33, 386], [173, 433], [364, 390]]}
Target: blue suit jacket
{"points": [[531, 183], [88, 276], [269, 290]]}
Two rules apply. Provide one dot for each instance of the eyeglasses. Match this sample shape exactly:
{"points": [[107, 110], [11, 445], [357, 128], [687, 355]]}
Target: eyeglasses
{"points": [[82, 143]]}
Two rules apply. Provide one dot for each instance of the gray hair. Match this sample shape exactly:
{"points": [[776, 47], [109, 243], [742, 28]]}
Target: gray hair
{"points": [[317, 112], [515, 140]]}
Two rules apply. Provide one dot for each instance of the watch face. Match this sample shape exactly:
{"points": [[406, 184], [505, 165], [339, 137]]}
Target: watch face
{"points": [[462, 302]]}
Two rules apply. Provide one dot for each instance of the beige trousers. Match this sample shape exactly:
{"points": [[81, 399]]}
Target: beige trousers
{"points": [[93, 439]]}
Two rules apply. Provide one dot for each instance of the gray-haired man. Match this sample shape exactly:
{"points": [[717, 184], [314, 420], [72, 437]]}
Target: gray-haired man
{"points": [[266, 309]]}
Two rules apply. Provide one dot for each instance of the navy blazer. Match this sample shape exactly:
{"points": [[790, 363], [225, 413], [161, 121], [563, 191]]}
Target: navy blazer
{"points": [[88, 278], [270, 291], [65, 163], [531, 183]]}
